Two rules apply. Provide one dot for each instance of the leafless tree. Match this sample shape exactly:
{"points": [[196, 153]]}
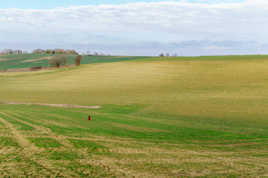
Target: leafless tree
{"points": [[58, 60], [78, 60], [161, 55]]}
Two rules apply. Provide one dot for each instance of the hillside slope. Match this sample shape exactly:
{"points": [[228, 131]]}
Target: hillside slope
{"points": [[19, 61], [159, 117], [206, 87]]}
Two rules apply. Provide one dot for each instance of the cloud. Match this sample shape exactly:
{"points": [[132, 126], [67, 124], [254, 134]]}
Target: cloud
{"points": [[137, 23]]}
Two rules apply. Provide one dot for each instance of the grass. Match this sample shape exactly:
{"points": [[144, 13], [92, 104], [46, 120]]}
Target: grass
{"points": [[57, 155], [23, 61], [90, 145], [159, 117], [45, 142], [8, 142], [15, 61], [17, 124]]}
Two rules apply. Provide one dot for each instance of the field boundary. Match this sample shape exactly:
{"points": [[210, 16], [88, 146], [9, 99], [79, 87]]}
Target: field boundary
{"points": [[53, 105]]}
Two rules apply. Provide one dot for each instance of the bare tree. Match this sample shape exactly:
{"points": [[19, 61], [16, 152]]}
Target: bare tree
{"points": [[38, 51], [58, 60], [78, 60], [161, 55]]}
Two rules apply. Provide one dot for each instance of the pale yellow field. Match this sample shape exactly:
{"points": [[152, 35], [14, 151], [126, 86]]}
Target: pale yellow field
{"points": [[220, 88], [158, 118]]}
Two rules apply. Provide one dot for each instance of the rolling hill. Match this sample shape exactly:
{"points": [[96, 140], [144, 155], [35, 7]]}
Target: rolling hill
{"points": [[158, 117]]}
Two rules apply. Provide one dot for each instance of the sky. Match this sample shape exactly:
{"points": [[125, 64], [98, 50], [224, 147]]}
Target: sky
{"points": [[41, 4], [137, 27]]}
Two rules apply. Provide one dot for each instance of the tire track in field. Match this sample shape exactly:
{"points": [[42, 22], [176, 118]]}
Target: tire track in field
{"points": [[53, 105], [62, 140], [48, 133], [29, 150], [19, 137]]}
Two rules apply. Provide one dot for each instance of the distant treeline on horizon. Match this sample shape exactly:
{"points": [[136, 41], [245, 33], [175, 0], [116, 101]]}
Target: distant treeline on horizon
{"points": [[39, 51]]}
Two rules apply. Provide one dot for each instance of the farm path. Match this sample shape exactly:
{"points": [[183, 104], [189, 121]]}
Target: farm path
{"points": [[53, 105], [30, 150], [23, 142], [46, 132]]}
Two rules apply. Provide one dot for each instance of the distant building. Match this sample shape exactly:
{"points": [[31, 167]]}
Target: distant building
{"points": [[38, 51], [54, 51], [10, 51]]}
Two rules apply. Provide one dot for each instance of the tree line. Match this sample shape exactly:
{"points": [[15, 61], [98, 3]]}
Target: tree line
{"points": [[39, 51]]}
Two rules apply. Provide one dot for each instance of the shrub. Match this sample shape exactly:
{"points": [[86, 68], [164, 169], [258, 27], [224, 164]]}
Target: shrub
{"points": [[78, 60], [58, 60], [36, 68]]}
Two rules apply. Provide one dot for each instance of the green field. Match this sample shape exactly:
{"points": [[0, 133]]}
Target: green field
{"points": [[15, 61], [159, 117]]}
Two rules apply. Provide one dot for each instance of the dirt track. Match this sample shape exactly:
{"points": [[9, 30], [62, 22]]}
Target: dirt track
{"points": [[53, 105]]}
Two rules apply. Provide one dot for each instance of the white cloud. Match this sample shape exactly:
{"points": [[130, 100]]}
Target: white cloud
{"points": [[135, 23]]}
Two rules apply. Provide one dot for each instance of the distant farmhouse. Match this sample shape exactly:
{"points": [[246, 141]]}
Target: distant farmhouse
{"points": [[54, 51], [10, 51]]}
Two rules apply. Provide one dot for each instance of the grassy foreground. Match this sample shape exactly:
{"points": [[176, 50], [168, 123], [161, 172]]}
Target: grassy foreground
{"points": [[159, 118]]}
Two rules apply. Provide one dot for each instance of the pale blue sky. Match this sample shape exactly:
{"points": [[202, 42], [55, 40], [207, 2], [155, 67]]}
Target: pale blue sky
{"points": [[147, 27], [46, 4]]}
